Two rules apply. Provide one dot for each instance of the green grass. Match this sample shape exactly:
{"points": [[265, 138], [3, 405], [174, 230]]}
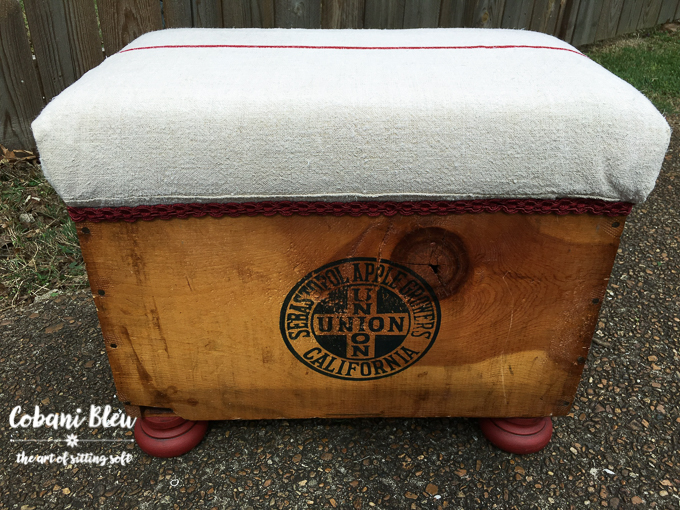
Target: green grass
{"points": [[649, 60], [39, 249]]}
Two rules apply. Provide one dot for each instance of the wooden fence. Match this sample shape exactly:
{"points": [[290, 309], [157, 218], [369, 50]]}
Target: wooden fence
{"points": [[66, 38]]}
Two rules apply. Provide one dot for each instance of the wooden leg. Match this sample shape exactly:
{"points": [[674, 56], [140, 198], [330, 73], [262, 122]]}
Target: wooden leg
{"points": [[518, 435], [168, 436]]}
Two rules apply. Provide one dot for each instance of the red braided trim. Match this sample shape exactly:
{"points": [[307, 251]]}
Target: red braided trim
{"points": [[561, 206]]}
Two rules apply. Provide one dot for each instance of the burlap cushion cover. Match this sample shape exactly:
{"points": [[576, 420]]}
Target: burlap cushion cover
{"points": [[233, 115]]}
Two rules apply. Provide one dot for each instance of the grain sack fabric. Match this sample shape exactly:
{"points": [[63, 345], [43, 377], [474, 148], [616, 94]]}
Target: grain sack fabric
{"points": [[243, 115]]}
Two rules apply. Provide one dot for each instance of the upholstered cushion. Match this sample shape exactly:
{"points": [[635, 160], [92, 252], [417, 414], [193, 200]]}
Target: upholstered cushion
{"points": [[228, 115]]}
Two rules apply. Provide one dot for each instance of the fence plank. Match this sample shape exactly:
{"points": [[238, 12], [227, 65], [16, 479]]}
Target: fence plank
{"points": [[47, 22], [677, 12], [384, 14], [566, 29], [122, 21], [207, 13], [248, 13], [20, 96], [649, 14], [298, 13], [83, 33], [421, 13], [630, 14], [667, 12], [560, 17], [342, 14], [545, 15], [517, 14], [484, 13], [66, 41], [452, 13], [177, 13], [586, 22], [609, 19]]}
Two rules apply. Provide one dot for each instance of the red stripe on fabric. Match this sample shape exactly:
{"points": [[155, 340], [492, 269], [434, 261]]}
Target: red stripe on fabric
{"points": [[501, 47], [561, 207]]}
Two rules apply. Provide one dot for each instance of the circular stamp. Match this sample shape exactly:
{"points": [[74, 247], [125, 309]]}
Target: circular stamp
{"points": [[360, 319]]}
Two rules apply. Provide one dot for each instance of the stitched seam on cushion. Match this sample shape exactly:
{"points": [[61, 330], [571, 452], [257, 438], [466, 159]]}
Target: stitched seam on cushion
{"points": [[263, 46]]}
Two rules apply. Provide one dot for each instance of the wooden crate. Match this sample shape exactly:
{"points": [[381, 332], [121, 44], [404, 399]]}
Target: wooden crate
{"points": [[486, 314]]}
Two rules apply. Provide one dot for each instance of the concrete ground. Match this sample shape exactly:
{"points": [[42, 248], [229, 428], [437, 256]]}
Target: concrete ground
{"points": [[619, 447]]}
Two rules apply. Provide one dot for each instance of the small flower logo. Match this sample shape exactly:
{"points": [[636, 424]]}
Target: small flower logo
{"points": [[72, 440]]}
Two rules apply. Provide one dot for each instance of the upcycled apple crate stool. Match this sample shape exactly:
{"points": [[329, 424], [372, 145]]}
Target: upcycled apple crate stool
{"points": [[307, 223]]}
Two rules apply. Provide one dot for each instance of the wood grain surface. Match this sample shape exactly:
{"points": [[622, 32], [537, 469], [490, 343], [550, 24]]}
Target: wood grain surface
{"points": [[568, 23], [421, 13], [248, 13], [667, 11], [47, 21], [484, 13], [20, 96], [122, 21], [630, 15], [650, 13], [609, 19], [452, 13], [65, 39], [177, 13], [207, 13], [83, 31], [191, 312], [298, 13], [384, 13], [342, 14], [517, 14], [587, 21], [546, 15]]}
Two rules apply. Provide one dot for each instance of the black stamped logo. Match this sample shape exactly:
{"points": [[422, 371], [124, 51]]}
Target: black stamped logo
{"points": [[360, 319]]}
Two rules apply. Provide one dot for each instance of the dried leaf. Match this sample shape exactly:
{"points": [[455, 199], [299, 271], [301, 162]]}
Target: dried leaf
{"points": [[17, 155]]}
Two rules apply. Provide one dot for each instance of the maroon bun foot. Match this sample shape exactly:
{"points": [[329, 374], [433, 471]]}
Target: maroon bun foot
{"points": [[168, 436], [518, 435]]}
